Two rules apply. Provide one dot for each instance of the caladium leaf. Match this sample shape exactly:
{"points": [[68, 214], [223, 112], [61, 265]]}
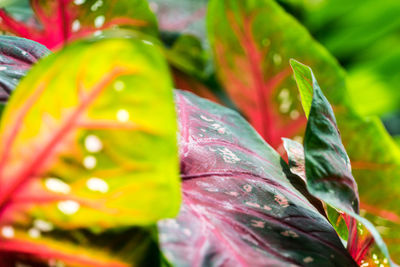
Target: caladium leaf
{"points": [[17, 55], [327, 166], [295, 152], [57, 22], [239, 205], [83, 143], [252, 43]]}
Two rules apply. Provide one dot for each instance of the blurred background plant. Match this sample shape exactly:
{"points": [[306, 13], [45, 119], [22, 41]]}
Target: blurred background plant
{"points": [[364, 36]]}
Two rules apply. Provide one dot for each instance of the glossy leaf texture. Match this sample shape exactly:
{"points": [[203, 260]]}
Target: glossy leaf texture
{"points": [[252, 43], [239, 205], [328, 169], [79, 137], [17, 55], [57, 22]]}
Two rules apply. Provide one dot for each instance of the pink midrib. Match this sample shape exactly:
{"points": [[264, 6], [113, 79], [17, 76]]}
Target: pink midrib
{"points": [[46, 253], [38, 162]]}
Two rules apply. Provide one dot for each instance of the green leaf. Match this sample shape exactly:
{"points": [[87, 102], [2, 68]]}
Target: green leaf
{"points": [[17, 55], [262, 88], [252, 43], [328, 169], [83, 143], [304, 79]]}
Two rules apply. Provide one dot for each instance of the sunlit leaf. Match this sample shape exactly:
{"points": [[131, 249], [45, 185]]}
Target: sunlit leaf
{"points": [[239, 205], [84, 145], [58, 21]]}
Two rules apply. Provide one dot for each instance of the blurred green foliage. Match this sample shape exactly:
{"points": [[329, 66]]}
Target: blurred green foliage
{"points": [[364, 36]]}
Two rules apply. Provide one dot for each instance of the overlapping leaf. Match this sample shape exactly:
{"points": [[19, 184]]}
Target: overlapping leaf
{"points": [[252, 43], [17, 55], [78, 144], [239, 205], [328, 169], [56, 22]]}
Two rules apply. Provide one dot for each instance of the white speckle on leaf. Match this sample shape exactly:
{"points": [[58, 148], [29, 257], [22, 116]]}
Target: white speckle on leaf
{"points": [[119, 86], [93, 144], [252, 204], [97, 185], [68, 207], [96, 5], [147, 42], [2, 68], [89, 162], [290, 233], [266, 207], [76, 26], [123, 115], [294, 114], [205, 118], [233, 193], [281, 200], [285, 106], [258, 224], [187, 232], [7, 231], [34, 233], [169, 223], [218, 127], [308, 259], [43, 225], [24, 53], [277, 59], [99, 21], [247, 188], [284, 94], [228, 156], [56, 185], [79, 2]]}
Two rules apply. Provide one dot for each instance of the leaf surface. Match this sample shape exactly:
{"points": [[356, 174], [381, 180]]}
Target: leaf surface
{"points": [[57, 22], [328, 169], [239, 29], [78, 142], [17, 55], [239, 205]]}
